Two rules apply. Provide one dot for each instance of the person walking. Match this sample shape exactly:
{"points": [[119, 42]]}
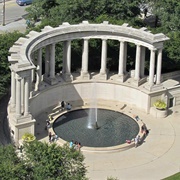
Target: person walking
{"points": [[136, 141], [50, 136]]}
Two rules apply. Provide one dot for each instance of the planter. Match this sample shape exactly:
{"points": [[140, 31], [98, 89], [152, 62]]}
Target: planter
{"points": [[158, 113]]}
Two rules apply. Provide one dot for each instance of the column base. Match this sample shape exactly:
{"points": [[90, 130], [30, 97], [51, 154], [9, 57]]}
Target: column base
{"points": [[102, 76], [85, 75], [135, 82], [122, 78], [51, 81], [21, 125], [68, 77], [154, 87]]}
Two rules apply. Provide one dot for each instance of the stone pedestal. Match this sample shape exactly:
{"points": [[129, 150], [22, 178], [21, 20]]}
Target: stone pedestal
{"points": [[21, 125], [85, 76], [122, 78], [154, 87], [158, 113], [102, 76], [51, 81], [68, 77]]}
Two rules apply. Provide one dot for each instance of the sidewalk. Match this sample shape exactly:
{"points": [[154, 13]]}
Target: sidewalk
{"points": [[19, 25], [157, 158]]}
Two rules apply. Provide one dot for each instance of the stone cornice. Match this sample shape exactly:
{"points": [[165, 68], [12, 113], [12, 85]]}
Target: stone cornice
{"points": [[23, 48]]}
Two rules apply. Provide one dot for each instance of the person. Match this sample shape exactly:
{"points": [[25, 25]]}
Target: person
{"points": [[62, 105], [79, 146], [76, 145], [143, 128], [136, 141], [50, 136], [55, 137], [136, 117], [145, 12], [71, 144], [48, 124], [68, 107]]}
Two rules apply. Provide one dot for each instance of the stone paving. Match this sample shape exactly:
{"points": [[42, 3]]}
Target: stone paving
{"points": [[158, 157]]}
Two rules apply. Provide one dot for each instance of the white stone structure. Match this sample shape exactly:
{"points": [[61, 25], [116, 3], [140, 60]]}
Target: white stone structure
{"points": [[32, 91]]}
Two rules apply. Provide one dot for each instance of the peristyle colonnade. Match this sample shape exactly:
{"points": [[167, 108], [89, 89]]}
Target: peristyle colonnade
{"points": [[24, 70]]}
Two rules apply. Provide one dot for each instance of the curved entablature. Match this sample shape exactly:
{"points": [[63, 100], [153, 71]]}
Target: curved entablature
{"points": [[35, 40]]}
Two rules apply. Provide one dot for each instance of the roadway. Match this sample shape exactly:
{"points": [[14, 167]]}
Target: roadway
{"points": [[13, 12]]}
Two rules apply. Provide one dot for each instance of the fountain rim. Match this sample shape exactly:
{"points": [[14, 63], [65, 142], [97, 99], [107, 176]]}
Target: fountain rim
{"points": [[117, 148]]}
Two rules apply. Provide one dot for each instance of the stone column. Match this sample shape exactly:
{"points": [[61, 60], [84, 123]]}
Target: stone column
{"points": [[68, 62], [13, 89], [159, 65], [52, 61], [18, 95], [138, 61], [67, 75], [26, 96], [143, 53], [22, 93], [103, 70], [32, 75], [125, 57], [121, 59], [64, 57], [152, 65], [39, 69], [85, 53], [47, 61]]}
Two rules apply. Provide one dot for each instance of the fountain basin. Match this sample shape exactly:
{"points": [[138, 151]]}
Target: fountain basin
{"points": [[114, 129]]}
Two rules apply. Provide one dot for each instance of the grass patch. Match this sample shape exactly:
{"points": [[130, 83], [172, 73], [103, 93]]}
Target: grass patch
{"points": [[173, 177]]}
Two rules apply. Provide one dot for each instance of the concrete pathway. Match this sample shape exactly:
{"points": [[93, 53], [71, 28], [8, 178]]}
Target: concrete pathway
{"points": [[19, 25], [158, 157]]}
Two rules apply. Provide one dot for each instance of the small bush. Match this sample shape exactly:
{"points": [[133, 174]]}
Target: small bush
{"points": [[28, 137], [160, 104]]}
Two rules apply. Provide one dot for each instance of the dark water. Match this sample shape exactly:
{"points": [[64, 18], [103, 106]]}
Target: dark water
{"points": [[114, 128]]}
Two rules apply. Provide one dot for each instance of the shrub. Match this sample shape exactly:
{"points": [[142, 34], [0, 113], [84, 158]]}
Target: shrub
{"points": [[28, 137], [160, 104]]}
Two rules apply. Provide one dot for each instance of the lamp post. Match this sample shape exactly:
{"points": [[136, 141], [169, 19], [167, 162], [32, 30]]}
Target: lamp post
{"points": [[3, 23]]}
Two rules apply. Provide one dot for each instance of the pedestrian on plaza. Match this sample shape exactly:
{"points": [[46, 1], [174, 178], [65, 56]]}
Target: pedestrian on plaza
{"points": [[71, 144], [48, 124], [143, 128], [79, 146], [50, 136], [68, 107], [136, 141], [145, 12], [62, 105]]}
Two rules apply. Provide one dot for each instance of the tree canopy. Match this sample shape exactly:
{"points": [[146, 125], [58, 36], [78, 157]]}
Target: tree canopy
{"points": [[7, 40], [76, 11], [41, 161]]}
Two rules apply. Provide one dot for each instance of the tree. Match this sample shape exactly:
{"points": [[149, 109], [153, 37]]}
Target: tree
{"points": [[41, 161], [54, 162], [11, 166], [75, 11], [7, 40], [168, 12]]}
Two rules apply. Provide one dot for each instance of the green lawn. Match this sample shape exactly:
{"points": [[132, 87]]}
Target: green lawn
{"points": [[173, 177]]}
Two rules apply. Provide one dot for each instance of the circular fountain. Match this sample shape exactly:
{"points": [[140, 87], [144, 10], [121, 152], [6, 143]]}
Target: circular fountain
{"points": [[109, 128]]}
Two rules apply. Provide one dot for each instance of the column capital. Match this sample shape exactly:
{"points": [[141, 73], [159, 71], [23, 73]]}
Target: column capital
{"points": [[87, 39], [153, 49], [104, 39], [18, 77], [139, 45]]}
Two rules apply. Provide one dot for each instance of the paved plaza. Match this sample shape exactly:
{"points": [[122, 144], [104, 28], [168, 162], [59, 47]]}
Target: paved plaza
{"points": [[158, 157]]}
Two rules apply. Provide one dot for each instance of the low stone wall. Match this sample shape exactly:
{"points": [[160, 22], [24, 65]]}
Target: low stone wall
{"points": [[108, 94]]}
